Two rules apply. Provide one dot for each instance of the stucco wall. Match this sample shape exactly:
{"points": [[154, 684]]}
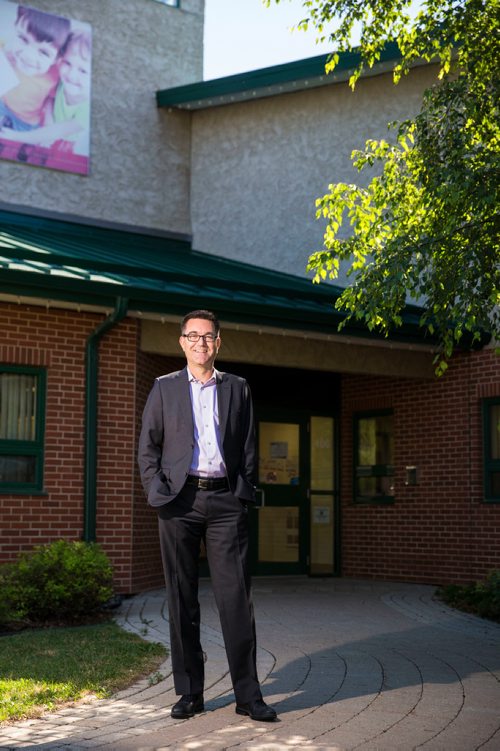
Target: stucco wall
{"points": [[258, 167], [139, 154]]}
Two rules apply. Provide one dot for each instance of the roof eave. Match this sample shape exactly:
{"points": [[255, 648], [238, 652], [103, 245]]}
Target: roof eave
{"points": [[274, 80], [54, 289]]}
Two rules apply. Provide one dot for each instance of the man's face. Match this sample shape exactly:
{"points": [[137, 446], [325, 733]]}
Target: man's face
{"points": [[74, 71], [200, 354], [31, 57]]}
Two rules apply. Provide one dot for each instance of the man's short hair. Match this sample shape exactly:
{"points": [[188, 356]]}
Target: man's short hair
{"points": [[44, 27], [206, 315]]}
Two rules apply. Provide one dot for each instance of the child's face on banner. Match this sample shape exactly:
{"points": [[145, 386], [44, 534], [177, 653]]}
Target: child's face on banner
{"points": [[74, 72], [31, 57]]}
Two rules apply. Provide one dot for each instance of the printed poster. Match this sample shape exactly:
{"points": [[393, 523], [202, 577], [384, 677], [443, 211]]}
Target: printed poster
{"points": [[45, 85]]}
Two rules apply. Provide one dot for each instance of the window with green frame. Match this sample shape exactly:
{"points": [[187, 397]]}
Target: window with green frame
{"points": [[22, 422], [374, 457], [491, 423]]}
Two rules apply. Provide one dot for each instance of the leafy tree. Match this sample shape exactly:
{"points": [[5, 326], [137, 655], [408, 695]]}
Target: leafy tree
{"points": [[426, 227]]}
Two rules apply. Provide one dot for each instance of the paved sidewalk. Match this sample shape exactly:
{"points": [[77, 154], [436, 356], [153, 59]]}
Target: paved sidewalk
{"points": [[347, 664]]}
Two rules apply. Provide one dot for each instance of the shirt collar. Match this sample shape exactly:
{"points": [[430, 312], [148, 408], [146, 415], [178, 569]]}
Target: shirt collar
{"points": [[214, 378]]}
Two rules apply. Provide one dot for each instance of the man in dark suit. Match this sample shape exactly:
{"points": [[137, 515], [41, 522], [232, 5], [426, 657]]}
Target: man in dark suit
{"points": [[197, 463]]}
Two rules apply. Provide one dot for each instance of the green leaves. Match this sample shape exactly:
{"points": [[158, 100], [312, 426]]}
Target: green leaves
{"points": [[426, 227], [63, 581]]}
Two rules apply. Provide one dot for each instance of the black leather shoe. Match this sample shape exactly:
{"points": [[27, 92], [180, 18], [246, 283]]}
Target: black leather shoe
{"points": [[187, 706], [257, 710]]}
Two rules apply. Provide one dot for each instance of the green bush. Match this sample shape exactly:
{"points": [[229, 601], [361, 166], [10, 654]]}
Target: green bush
{"points": [[64, 582], [481, 598], [5, 610]]}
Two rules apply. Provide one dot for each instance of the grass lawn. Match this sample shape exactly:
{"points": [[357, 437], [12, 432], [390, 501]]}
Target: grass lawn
{"points": [[42, 669]]}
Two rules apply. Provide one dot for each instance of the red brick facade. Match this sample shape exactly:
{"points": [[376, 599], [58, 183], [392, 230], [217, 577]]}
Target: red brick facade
{"points": [[56, 339], [146, 564], [438, 531]]}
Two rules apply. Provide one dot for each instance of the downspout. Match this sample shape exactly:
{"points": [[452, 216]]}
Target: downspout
{"points": [[90, 429]]}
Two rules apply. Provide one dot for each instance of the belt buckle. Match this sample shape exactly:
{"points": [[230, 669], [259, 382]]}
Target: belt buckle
{"points": [[203, 483]]}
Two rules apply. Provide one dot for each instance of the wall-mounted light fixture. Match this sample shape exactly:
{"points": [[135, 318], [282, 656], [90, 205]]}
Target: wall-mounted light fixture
{"points": [[411, 475]]}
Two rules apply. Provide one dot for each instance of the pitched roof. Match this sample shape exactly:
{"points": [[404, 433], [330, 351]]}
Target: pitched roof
{"points": [[277, 79], [66, 261]]}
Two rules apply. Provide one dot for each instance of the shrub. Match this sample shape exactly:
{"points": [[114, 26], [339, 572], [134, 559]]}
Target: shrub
{"points": [[63, 581], [481, 598], [5, 611]]}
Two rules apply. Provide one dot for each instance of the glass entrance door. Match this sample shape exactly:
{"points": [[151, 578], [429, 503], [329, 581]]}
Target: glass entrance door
{"points": [[279, 544], [293, 531], [322, 494]]}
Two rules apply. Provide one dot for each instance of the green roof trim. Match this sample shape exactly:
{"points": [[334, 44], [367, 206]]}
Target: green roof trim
{"points": [[276, 79], [63, 261]]}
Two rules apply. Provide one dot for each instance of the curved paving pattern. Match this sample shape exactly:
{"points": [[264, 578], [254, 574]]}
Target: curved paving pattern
{"points": [[347, 664]]}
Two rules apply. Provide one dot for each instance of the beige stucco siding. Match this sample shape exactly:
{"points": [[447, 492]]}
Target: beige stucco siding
{"points": [[140, 155], [257, 167]]}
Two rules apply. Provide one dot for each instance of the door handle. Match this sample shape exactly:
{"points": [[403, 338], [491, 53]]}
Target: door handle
{"points": [[262, 502]]}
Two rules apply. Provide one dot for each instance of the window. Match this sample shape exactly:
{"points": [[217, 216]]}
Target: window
{"points": [[374, 457], [22, 404], [491, 422]]}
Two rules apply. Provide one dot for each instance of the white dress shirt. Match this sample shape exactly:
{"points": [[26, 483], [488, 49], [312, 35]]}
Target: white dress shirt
{"points": [[207, 455]]}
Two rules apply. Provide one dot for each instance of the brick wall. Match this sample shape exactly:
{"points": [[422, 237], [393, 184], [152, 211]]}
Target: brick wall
{"points": [[125, 525], [147, 571], [440, 530], [56, 339], [116, 448]]}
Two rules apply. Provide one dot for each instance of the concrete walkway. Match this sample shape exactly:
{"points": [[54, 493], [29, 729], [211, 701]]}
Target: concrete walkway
{"points": [[347, 664]]}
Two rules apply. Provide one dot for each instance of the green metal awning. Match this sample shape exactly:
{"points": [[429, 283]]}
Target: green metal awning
{"points": [[277, 79], [56, 260]]}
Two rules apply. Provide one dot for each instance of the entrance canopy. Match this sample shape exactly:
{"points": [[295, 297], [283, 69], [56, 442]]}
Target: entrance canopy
{"points": [[88, 267]]}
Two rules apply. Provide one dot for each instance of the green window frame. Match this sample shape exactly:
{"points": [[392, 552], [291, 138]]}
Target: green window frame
{"points": [[22, 428], [373, 462], [491, 449]]}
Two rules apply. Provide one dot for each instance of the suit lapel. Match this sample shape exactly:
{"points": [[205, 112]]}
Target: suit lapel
{"points": [[184, 407], [223, 401]]}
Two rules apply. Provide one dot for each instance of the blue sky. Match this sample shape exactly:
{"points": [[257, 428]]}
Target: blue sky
{"points": [[243, 35]]}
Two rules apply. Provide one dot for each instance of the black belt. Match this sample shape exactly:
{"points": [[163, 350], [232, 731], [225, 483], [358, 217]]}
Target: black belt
{"points": [[207, 483]]}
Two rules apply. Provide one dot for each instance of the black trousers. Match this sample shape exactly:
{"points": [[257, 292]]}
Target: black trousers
{"points": [[221, 520]]}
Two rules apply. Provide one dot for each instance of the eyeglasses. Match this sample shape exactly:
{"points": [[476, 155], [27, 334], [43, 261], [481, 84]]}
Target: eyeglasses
{"points": [[194, 337]]}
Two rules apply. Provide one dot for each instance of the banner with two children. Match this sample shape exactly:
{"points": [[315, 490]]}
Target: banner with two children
{"points": [[45, 80]]}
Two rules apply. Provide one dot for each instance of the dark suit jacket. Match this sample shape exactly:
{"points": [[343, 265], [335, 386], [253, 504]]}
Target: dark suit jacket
{"points": [[167, 437]]}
